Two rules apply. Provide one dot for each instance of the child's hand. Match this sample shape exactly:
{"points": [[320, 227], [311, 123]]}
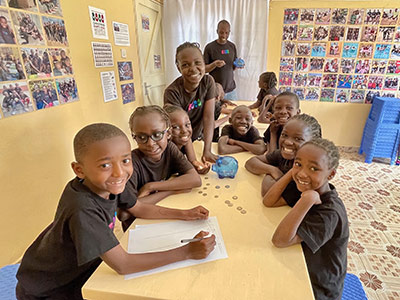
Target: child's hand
{"points": [[228, 102], [201, 168], [276, 173], [312, 196], [231, 142], [196, 213], [209, 157], [274, 127], [219, 63], [201, 249], [145, 190]]}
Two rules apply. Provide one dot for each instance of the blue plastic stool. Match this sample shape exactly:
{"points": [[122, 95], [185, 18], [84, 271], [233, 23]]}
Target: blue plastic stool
{"points": [[381, 137], [8, 282], [353, 289]]}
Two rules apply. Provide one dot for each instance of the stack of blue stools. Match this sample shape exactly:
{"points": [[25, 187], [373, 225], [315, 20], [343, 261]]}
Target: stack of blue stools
{"points": [[353, 289], [381, 135], [8, 282]]}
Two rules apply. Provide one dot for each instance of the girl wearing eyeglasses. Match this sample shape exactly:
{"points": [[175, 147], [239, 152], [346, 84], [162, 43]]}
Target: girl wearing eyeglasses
{"points": [[154, 161]]}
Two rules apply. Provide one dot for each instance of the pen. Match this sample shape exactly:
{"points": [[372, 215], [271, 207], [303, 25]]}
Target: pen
{"points": [[191, 240]]}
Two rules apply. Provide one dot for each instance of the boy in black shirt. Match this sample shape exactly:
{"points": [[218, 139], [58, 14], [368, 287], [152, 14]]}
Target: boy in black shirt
{"points": [[240, 135], [71, 248]]}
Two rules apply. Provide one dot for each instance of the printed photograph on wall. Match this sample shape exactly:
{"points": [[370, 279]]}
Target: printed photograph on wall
{"points": [[322, 16], [336, 33], [395, 53], [357, 96], [288, 48], [299, 92], [327, 95], [290, 16], [312, 94], [303, 49], [285, 78], [353, 34], [125, 71], [360, 82], [61, 61], [334, 49], [390, 16], [369, 33], [56, 34], [369, 96], [344, 81], [373, 16], [2, 2], [329, 80], [378, 67], [382, 51], [299, 79], [301, 64], [145, 23], [396, 38], [331, 65], [36, 62], [50, 7], [365, 50], [321, 33], [339, 15], [362, 66], [43, 93], [386, 33], [128, 93], [356, 16], [393, 67], [375, 82], [23, 4], [27, 28], [342, 95], [317, 64], [307, 16], [350, 50], [318, 49], [314, 80], [305, 33], [15, 98], [10, 64], [67, 89], [391, 83], [289, 32], [347, 66], [7, 35], [287, 64]]}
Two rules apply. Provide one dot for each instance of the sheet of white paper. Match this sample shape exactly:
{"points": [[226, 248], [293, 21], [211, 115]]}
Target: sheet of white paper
{"points": [[165, 236]]}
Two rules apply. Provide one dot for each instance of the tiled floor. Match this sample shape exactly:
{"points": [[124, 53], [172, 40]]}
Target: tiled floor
{"points": [[371, 193]]}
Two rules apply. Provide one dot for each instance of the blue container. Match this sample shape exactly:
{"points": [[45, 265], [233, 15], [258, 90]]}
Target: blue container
{"points": [[381, 135], [226, 167]]}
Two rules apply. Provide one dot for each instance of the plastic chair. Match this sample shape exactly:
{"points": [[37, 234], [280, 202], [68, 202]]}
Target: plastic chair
{"points": [[8, 282], [353, 289], [381, 136]]}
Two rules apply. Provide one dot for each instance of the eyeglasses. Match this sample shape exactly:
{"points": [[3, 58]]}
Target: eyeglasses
{"points": [[142, 138]]}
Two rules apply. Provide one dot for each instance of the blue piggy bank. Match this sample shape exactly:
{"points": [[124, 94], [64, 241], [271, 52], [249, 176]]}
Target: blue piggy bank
{"points": [[225, 166], [239, 62]]}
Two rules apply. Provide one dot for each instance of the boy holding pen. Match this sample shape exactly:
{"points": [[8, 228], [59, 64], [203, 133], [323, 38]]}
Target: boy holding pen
{"points": [[70, 249]]}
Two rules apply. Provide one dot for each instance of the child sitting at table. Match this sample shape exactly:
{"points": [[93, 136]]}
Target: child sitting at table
{"points": [[298, 130], [181, 134], [154, 162], [240, 135], [70, 249], [318, 220], [194, 91], [285, 106], [267, 84]]}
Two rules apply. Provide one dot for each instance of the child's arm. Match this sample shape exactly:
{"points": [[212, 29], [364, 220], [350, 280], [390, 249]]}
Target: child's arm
{"points": [[286, 233], [224, 147], [274, 128], [201, 168], [124, 263], [221, 121], [151, 211], [257, 148], [158, 196], [183, 182], [259, 165], [273, 197], [208, 130]]}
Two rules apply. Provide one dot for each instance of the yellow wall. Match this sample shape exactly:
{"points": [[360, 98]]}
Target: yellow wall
{"points": [[343, 123], [36, 147]]}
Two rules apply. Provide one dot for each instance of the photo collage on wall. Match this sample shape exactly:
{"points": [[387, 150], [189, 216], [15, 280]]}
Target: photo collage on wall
{"points": [[35, 64], [341, 54]]}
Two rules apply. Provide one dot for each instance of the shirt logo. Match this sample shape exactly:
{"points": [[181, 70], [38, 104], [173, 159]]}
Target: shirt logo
{"points": [[194, 104], [225, 51], [112, 224]]}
